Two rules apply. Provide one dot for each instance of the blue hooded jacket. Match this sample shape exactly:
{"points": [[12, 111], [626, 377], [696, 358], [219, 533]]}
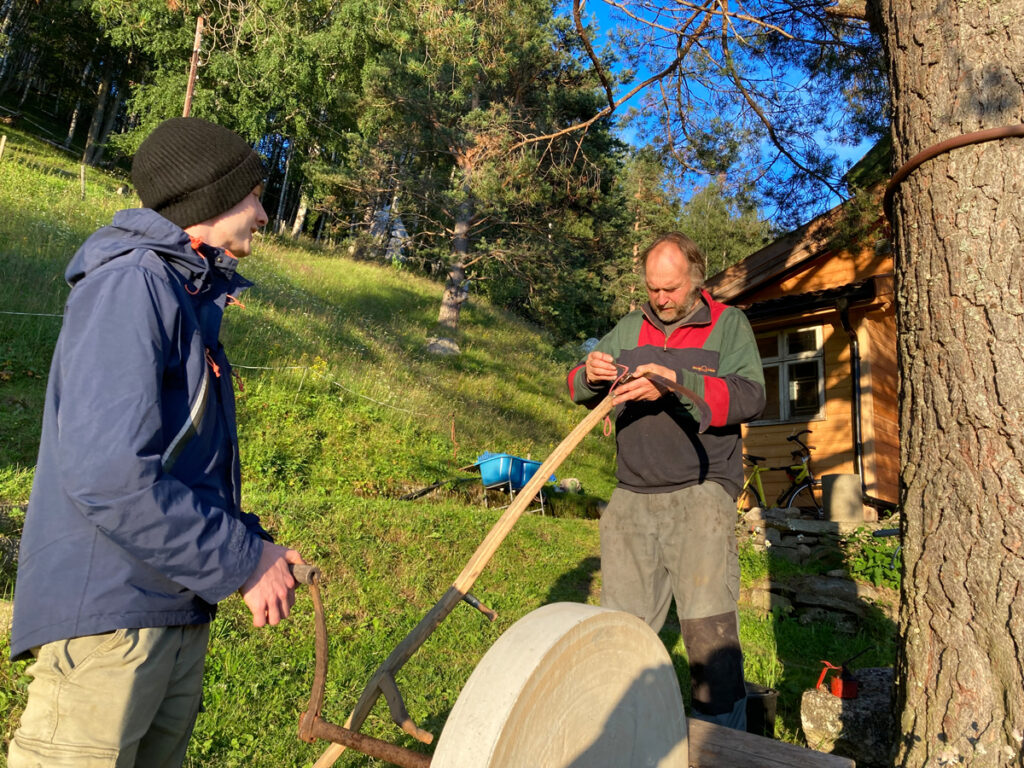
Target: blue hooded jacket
{"points": [[135, 517]]}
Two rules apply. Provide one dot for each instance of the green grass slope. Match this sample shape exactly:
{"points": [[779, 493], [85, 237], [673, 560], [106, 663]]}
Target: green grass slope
{"points": [[341, 412]]}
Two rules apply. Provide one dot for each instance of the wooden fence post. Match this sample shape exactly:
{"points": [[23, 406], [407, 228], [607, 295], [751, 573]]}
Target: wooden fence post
{"points": [[3, 143]]}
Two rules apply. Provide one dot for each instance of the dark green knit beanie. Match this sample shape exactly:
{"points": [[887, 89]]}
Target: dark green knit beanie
{"points": [[189, 170]]}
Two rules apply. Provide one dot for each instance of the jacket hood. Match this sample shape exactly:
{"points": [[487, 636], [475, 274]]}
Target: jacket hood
{"points": [[132, 229]]}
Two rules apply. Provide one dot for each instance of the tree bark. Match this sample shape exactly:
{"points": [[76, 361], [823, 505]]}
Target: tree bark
{"points": [[455, 292], [958, 226], [633, 303], [6, 36], [28, 73], [96, 126], [300, 214], [73, 123], [112, 110], [279, 218], [455, 287]]}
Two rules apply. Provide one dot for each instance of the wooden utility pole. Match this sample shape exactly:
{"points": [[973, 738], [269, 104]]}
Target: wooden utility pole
{"points": [[192, 67]]}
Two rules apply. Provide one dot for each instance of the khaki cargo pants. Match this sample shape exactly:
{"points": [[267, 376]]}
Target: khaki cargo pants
{"points": [[682, 544], [121, 699]]}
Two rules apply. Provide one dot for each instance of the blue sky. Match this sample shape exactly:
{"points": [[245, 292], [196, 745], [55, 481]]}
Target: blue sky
{"points": [[601, 13]]}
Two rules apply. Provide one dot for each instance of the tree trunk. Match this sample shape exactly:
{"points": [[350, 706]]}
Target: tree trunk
{"points": [[455, 292], [318, 228], [28, 73], [278, 219], [100, 146], [96, 126], [6, 35], [634, 304], [300, 214], [73, 123], [957, 68]]}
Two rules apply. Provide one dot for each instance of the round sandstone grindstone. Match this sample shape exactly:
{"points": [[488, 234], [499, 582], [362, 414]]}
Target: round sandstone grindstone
{"points": [[569, 686]]}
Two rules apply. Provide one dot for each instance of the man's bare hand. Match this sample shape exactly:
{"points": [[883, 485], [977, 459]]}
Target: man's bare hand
{"points": [[641, 388], [269, 592], [601, 367]]}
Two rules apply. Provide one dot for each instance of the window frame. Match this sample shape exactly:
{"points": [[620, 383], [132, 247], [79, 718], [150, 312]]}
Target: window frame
{"points": [[782, 361]]}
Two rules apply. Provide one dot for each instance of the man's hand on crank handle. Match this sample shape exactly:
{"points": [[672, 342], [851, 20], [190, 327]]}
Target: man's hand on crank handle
{"points": [[601, 367], [269, 592], [641, 388]]}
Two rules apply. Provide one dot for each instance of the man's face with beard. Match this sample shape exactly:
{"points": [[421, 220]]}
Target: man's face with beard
{"points": [[669, 283]]}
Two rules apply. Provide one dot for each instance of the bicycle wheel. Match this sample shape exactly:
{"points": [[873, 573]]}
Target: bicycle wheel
{"points": [[804, 501]]}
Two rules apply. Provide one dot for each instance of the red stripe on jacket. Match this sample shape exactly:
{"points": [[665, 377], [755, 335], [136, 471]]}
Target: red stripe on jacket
{"points": [[716, 391], [572, 375], [716, 395]]}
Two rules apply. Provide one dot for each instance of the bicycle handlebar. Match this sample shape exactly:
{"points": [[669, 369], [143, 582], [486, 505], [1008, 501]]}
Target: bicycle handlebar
{"points": [[796, 439]]}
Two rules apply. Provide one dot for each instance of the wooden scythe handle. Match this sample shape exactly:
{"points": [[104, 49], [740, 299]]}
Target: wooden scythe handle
{"points": [[464, 582]]}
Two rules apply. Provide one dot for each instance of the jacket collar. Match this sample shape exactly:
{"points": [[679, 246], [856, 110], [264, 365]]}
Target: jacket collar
{"points": [[218, 262], [142, 228]]}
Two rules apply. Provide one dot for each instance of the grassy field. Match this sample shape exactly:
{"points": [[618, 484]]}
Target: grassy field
{"points": [[341, 413]]}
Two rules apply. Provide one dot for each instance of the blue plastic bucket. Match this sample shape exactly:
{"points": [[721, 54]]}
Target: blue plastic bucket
{"points": [[497, 469], [523, 470]]}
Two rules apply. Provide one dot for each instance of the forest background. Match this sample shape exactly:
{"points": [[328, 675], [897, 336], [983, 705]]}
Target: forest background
{"points": [[478, 142]]}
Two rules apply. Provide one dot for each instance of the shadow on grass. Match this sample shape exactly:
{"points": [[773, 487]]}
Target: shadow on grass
{"points": [[577, 585]]}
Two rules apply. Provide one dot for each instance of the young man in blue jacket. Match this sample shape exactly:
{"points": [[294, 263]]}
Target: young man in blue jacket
{"points": [[134, 529]]}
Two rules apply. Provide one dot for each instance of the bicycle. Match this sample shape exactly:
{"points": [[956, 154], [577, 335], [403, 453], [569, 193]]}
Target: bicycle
{"points": [[802, 494]]}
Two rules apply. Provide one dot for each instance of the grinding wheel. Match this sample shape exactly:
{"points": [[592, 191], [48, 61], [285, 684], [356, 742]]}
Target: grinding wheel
{"points": [[569, 686]]}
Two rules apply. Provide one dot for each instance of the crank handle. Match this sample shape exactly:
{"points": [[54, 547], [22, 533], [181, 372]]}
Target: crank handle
{"points": [[305, 573]]}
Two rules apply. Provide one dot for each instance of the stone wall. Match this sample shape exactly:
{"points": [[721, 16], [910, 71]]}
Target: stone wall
{"points": [[831, 595]]}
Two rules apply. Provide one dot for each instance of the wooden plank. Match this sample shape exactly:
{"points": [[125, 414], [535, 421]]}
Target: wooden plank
{"points": [[713, 746]]}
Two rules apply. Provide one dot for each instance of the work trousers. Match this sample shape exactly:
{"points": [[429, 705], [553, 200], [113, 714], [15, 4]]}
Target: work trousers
{"points": [[658, 545], [117, 700]]}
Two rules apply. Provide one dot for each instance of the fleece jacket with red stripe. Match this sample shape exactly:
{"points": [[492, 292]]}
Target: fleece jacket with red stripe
{"points": [[715, 355]]}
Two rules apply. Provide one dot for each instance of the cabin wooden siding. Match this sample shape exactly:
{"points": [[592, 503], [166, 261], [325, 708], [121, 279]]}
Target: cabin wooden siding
{"points": [[880, 389], [832, 435]]}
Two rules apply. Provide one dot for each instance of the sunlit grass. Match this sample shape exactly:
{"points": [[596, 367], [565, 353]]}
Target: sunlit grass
{"points": [[341, 410]]}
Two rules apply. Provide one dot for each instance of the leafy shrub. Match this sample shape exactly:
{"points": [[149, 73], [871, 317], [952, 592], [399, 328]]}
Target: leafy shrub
{"points": [[874, 559]]}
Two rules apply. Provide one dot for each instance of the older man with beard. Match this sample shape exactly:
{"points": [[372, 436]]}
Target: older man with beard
{"points": [[668, 529]]}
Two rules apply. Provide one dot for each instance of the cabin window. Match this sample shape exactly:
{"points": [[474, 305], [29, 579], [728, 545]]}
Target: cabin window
{"points": [[794, 374]]}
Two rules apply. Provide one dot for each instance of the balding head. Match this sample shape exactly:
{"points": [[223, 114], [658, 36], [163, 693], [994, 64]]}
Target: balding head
{"points": [[674, 269]]}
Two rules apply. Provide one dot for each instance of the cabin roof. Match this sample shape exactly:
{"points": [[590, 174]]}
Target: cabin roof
{"points": [[776, 259], [860, 292]]}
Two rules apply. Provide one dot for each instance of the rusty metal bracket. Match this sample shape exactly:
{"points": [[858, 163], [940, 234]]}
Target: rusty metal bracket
{"points": [[974, 137], [312, 726]]}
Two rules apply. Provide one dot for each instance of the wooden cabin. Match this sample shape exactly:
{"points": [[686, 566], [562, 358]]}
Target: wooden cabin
{"points": [[821, 303]]}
